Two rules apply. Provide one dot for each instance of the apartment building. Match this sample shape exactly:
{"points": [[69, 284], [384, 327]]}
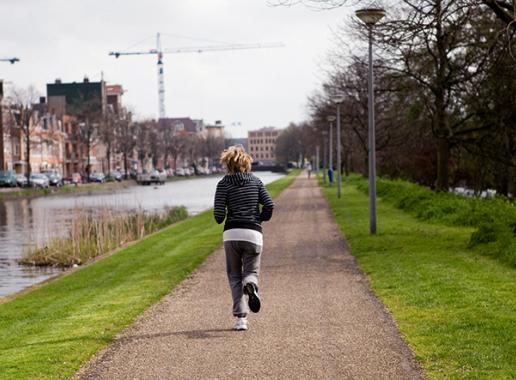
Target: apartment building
{"points": [[262, 144]]}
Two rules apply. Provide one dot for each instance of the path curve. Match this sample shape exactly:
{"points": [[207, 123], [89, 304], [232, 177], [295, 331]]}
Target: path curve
{"points": [[319, 318]]}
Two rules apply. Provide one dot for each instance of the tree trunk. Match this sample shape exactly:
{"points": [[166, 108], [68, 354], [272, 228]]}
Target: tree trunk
{"points": [[502, 186], [108, 156], [439, 120], [27, 152], [443, 155], [346, 163], [125, 164], [88, 147], [2, 157]]}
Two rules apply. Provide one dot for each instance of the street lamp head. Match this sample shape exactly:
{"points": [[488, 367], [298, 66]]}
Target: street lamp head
{"points": [[370, 16], [331, 118], [337, 98]]}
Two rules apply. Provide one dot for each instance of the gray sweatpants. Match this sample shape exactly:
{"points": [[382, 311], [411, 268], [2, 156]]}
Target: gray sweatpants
{"points": [[243, 266]]}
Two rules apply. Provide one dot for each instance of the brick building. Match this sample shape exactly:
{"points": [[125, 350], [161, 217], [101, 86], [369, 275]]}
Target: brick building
{"points": [[262, 144]]}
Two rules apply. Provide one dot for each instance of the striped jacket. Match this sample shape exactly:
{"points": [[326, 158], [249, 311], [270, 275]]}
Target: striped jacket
{"points": [[240, 195]]}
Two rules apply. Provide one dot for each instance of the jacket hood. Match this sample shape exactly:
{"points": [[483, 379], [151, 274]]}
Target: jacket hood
{"points": [[239, 179]]}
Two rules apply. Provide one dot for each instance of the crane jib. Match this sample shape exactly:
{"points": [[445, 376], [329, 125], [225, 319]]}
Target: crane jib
{"points": [[188, 49]]}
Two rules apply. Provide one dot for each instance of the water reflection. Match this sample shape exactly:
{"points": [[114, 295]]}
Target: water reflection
{"points": [[36, 220]]}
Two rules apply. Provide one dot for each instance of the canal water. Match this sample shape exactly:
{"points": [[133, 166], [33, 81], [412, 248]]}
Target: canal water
{"points": [[25, 221]]}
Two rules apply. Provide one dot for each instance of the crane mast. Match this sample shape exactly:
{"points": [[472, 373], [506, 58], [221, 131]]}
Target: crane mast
{"points": [[159, 52], [161, 79]]}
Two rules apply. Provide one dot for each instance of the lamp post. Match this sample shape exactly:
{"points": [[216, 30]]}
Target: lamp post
{"points": [[317, 159], [325, 158], [338, 99], [370, 16], [331, 119]]}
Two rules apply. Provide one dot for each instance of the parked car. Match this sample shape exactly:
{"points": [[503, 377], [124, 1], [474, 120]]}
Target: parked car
{"points": [[97, 177], [39, 180], [146, 178], [180, 172], [8, 178], [158, 177], [202, 171], [21, 180], [115, 175], [54, 178]]}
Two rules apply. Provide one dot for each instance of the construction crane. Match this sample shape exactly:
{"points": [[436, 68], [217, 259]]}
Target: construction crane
{"points": [[10, 60], [159, 52]]}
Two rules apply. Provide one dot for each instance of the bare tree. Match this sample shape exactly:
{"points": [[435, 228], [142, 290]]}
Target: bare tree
{"points": [[2, 157], [142, 146], [435, 43], [294, 142], [25, 116], [126, 139], [89, 115], [192, 149], [505, 10], [155, 142], [211, 147], [108, 133]]}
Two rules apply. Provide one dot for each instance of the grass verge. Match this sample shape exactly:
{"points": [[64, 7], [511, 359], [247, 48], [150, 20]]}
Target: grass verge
{"points": [[455, 308], [50, 332], [494, 219]]}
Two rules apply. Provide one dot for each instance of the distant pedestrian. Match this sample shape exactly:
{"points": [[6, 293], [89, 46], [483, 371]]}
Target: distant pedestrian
{"points": [[309, 169], [237, 200], [330, 176]]}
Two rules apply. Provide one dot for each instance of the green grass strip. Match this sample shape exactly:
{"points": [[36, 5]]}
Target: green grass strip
{"points": [[50, 332], [455, 308]]}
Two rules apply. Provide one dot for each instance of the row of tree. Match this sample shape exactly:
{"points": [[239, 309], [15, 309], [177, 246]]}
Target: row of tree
{"points": [[445, 77]]}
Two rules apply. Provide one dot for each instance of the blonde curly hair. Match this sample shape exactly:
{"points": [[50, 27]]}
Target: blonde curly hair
{"points": [[236, 160]]}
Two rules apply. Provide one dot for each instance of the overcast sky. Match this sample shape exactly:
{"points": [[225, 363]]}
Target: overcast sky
{"points": [[69, 39]]}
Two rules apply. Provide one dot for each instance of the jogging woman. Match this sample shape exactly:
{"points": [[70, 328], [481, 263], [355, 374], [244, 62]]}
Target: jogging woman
{"points": [[237, 200]]}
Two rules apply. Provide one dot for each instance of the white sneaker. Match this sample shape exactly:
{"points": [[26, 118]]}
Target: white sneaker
{"points": [[241, 324]]}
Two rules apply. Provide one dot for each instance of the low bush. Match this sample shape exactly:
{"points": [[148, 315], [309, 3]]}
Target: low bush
{"points": [[494, 219]]}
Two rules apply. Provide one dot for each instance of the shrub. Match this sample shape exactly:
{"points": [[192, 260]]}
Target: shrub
{"points": [[494, 219]]}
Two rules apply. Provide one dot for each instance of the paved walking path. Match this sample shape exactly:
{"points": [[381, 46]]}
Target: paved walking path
{"points": [[319, 319]]}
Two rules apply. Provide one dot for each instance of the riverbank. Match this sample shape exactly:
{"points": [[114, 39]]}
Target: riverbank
{"points": [[86, 188], [91, 236], [50, 332], [454, 306]]}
